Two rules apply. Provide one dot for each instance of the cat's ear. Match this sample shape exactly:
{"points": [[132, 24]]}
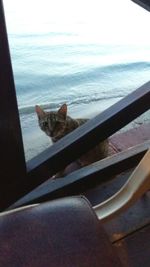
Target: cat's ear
{"points": [[39, 111], [63, 110]]}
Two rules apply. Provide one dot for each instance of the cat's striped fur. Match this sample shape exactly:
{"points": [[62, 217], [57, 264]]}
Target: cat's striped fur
{"points": [[57, 124]]}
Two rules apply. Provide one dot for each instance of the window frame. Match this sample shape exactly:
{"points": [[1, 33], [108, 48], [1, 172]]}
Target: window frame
{"points": [[18, 177]]}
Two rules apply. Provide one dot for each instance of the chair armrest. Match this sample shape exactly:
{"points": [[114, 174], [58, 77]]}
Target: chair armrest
{"points": [[137, 184]]}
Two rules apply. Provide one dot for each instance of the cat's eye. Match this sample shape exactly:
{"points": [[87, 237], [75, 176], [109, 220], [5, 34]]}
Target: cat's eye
{"points": [[45, 124]]}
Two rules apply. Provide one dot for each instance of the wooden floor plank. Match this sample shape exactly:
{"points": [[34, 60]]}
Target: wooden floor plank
{"points": [[129, 221], [132, 137], [134, 250]]}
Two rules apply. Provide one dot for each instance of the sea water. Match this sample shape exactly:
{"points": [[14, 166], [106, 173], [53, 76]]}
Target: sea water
{"points": [[87, 77], [55, 67]]}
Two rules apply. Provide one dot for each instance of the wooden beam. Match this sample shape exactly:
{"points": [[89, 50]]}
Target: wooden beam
{"points": [[12, 161]]}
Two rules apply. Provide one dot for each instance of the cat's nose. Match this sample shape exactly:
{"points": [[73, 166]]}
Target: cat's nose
{"points": [[51, 133]]}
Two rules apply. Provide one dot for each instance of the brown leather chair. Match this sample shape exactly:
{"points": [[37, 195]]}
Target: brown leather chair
{"points": [[59, 233]]}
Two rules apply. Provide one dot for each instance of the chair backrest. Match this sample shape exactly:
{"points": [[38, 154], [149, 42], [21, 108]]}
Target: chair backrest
{"points": [[59, 233]]}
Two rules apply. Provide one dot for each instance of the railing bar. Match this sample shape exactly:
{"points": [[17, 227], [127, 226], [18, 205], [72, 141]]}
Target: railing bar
{"points": [[97, 173]]}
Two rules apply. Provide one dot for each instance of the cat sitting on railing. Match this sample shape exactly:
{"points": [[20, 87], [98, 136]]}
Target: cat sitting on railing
{"points": [[57, 124]]}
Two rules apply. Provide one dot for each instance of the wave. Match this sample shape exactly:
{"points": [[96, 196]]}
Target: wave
{"points": [[77, 78], [38, 35], [26, 110], [129, 66], [100, 83], [31, 109]]}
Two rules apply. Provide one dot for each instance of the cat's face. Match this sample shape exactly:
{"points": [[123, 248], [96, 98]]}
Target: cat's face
{"points": [[53, 122]]}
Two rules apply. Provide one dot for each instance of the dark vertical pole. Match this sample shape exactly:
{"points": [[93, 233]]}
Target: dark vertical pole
{"points": [[12, 161]]}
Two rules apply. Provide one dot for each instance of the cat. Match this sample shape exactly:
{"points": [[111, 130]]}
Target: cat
{"points": [[57, 124]]}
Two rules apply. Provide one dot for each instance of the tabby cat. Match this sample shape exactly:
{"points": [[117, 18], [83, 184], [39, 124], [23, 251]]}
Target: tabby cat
{"points": [[57, 124]]}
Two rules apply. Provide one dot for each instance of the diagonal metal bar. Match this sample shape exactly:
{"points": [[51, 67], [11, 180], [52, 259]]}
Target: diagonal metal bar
{"points": [[87, 177], [143, 3]]}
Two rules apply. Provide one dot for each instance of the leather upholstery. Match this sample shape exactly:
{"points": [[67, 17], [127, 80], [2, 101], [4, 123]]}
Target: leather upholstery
{"points": [[59, 233]]}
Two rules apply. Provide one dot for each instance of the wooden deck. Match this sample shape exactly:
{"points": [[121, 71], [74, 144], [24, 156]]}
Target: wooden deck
{"points": [[129, 232]]}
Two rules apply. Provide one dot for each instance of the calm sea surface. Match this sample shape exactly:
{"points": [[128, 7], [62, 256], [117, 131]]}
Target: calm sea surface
{"points": [[50, 74]]}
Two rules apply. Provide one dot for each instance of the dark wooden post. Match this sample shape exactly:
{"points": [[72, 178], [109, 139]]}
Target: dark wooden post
{"points": [[12, 161]]}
